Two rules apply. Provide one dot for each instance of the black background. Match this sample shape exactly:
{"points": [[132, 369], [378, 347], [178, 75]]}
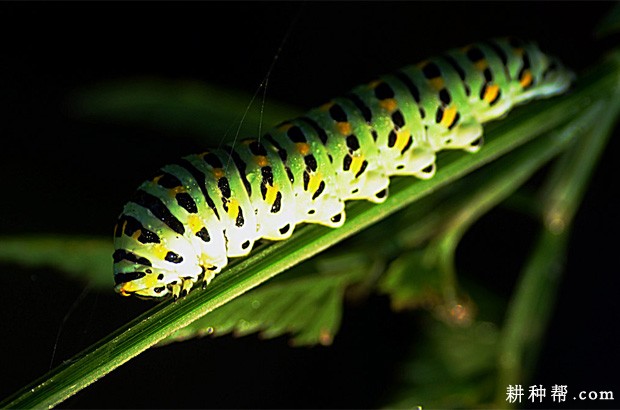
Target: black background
{"points": [[63, 175]]}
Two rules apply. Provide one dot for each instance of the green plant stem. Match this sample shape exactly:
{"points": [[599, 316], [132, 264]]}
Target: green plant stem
{"points": [[167, 317], [531, 307]]}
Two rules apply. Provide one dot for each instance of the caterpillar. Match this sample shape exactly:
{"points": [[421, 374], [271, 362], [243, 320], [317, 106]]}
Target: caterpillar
{"points": [[181, 226]]}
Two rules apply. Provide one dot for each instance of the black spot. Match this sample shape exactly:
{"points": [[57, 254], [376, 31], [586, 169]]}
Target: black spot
{"points": [[384, 91], [199, 176], [241, 166], [159, 289], [318, 190], [457, 117], [362, 169], [186, 202], [213, 160], [457, 67], [439, 115], [281, 151], [311, 212], [122, 254], [422, 113], [499, 51], [306, 180], [239, 221], [160, 276], [355, 191], [224, 187], [474, 54], [295, 134], [392, 138], [400, 166], [353, 143], [363, 108], [291, 177], [374, 134], [444, 96], [337, 113], [203, 234], [346, 163], [169, 181], [310, 161], [413, 89], [429, 169], [284, 229], [488, 75], [407, 145], [431, 70], [476, 142], [257, 149], [398, 119], [336, 218], [132, 225], [317, 128], [267, 175], [467, 90], [277, 204], [173, 257], [158, 209], [245, 245], [124, 277], [381, 194]]}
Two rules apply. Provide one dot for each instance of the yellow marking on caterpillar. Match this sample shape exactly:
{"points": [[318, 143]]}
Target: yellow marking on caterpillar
{"points": [[490, 93], [356, 164], [326, 106], [137, 234], [149, 281], [115, 229], [402, 137], [123, 230], [157, 178], [437, 82], [315, 181], [202, 155], [160, 251], [194, 222], [449, 115], [302, 147], [481, 64], [374, 84], [421, 64], [272, 193], [519, 51], [233, 208], [218, 172], [388, 104], [247, 142], [526, 79], [344, 127], [261, 160]]}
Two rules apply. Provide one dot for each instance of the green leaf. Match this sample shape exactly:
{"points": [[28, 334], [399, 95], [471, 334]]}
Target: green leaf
{"points": [[83, 258], [307, 306]]}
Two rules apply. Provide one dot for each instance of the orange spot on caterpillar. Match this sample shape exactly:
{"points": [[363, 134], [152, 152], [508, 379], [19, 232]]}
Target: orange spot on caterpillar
{"points": [[261, 160], [437, 82], [326, 106], [303, 147], [374, 84], [388, 104], [218, 172], [481, 64], [344, 128], [526, 79]]}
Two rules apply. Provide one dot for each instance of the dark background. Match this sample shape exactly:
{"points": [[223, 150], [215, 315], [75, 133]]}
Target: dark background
{"points": [[64, 175]]}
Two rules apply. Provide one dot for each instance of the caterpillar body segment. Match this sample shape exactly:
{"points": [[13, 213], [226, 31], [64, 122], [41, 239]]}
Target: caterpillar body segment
{"points": [[182, 225]]}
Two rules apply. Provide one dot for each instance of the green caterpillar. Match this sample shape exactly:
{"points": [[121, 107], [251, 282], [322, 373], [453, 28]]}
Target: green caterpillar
{"points": [[181, 227]]}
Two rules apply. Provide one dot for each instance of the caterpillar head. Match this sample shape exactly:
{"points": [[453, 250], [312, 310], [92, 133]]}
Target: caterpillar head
{"points": [[150, 278]]}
